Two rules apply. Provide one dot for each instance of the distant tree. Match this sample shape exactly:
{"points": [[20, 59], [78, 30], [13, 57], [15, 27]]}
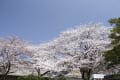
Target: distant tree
{"points": [[113, 55], [11, 49]]}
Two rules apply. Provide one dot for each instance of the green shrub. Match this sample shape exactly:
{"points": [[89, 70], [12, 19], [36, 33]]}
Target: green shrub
{"points": [[31, 77], [62, 78]]}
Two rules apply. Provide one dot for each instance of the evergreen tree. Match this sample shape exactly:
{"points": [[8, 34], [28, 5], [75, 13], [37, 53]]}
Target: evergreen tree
{"points": [[113, 55]]}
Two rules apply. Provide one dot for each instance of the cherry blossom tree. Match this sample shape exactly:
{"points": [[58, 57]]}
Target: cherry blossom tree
{"points": [[78, 47], [12, 50], [86, 45]]}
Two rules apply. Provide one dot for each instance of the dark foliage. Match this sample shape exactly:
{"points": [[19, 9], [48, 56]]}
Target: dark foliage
{"points": [[112, 77], [113, 56]]}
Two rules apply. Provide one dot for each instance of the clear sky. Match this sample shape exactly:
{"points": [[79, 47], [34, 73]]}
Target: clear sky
{"points": [[42, 20]]}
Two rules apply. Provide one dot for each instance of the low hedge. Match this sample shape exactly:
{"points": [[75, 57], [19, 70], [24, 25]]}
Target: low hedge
{"points": [[31, 77]]}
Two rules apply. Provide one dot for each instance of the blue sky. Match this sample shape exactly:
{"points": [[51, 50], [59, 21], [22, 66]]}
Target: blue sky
{"points": [[42, 20]]}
